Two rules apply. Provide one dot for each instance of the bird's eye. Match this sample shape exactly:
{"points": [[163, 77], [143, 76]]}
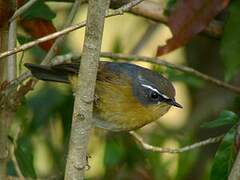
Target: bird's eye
{"points": [[154, 96]]}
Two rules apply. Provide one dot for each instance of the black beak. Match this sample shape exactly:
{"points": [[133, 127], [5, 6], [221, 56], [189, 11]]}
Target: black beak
{"points": [[174, 103]]}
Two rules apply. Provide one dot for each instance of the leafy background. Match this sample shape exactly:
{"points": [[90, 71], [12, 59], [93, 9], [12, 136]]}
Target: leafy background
{"points": [[41, 127]]}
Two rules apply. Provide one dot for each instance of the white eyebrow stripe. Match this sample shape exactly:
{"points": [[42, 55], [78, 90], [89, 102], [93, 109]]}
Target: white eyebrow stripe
{"points": [[155, 90]]}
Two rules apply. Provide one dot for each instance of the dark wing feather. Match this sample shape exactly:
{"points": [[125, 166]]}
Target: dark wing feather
{"points": [[57, 73]]}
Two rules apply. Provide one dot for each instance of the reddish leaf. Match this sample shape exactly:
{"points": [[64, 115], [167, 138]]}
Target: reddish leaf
{"points": [[38, 28], [20, 3], [189, 18]]}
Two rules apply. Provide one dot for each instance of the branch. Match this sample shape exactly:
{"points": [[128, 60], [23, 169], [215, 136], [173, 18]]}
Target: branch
{"points": [[12, 38], [29, 45], [18, 81], [71, 58], [41, 40], [4, 114], [170, 150], [155, 12], [82, 122], [149, 32], [52, 52], [154, 60], [22, 9], [173, 66], [24, 76], [235, 172]]}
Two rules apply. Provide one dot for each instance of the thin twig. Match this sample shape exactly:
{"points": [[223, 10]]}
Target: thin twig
{"points": [[149, 147], [130, 5], [155, 11], [22, 9], [82, 123], [148, 34], [41, 40], [185, 69], [52, 52], [173, 66], [29, 45], [26, 75]]}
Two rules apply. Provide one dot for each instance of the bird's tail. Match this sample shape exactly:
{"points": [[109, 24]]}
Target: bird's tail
{"points": [[59, 73]]}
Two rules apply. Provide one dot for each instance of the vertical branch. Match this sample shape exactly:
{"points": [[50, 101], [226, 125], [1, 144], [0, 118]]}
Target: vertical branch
{"points": [[83, 106], [11, 64], [3, 124], [3, 48], [6, 10]]}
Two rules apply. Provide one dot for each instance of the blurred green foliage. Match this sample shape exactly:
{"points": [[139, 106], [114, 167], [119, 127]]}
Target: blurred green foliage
{"points": [[224, 157], [45, 115], [225, 118], [39, 10], [230, 43]]}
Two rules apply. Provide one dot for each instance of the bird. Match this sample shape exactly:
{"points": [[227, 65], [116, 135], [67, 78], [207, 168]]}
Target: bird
{"points": [[127, 96]]}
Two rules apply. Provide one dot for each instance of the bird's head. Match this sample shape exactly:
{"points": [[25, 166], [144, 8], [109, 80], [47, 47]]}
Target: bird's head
{"points": [[151, 88]]}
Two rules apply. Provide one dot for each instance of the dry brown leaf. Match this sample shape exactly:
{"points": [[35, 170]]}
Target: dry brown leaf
{"points": [[189, 18]]}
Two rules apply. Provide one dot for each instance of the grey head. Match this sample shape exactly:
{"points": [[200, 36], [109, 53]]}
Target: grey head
{"points": [[149, 87]]}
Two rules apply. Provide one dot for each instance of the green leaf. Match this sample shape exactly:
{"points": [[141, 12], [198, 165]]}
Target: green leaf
{"points": [[24, 156], [224, 157], [42, 108], [225, 118], [39, 10], [114, 153], [230, 44]]}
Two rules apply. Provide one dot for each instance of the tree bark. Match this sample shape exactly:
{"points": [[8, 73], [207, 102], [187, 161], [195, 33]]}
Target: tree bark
{"points": [[83, 105]]}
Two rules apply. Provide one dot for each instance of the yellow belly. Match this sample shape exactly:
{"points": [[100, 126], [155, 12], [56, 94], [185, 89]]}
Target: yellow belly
{"points": [[117, 109]]}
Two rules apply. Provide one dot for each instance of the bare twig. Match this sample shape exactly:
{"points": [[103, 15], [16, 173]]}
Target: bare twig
{"points": [[149, 147], [148, 34], [52, 52], [43, 39], [151, 10], [22, 9], [83, 105], [155, 11], [130, 5], [173, 66], [26, 75], [185, 69], [235, 172], [29, 45]]}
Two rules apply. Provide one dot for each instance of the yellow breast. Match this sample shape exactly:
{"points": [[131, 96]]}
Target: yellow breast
{"points": [[118, 110]]}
